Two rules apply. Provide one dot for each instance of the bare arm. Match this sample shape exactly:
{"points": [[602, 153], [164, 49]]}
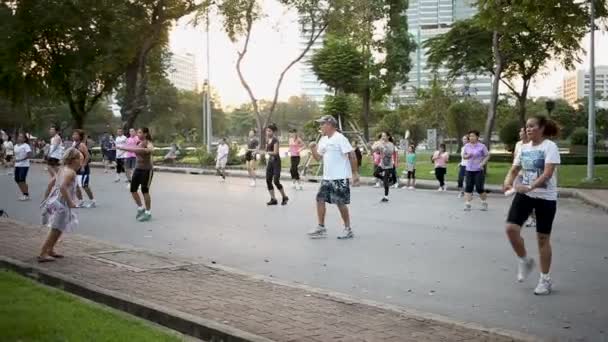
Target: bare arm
{"points": [[85, 154], [315, 151], [138, 150], [50, 187], [508, 184]]}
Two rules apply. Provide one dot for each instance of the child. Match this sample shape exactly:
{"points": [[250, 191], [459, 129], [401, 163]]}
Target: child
{"points": [[410, 159], [60, 198], [222, 158]]}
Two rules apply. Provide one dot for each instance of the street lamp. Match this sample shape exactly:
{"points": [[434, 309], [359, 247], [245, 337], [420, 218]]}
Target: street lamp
{"points": [[591, 123]]}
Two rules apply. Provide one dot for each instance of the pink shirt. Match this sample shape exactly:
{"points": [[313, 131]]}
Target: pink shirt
{"points": [[132, 142], [441, 159], [294, 147], [377, 158]]}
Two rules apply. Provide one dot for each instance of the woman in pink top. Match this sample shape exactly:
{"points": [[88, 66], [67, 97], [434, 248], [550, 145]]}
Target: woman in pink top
{"points": [[440, 159], [296, 145], [132, 142]]}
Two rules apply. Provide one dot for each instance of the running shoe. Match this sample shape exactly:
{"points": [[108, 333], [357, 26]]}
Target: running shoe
{"points": [[544, 286], [24, 198], [117, 180], [272, 202], [531, 223], [377, 185], [140, 213], [524, 268], [396, 186], [440, 189], [346, 234], [145, 217], [252, 184], [300, 187], [90, 204], [461, 194], [384, 199], [284, 200], [80, 204], [484, 206], [467, 206], [411, 188], [318, 232]]}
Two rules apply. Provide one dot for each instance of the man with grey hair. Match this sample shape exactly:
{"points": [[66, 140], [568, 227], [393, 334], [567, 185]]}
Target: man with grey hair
{"points": [[339, 166]]}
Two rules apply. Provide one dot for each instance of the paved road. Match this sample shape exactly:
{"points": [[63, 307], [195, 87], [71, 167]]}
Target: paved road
{"points": [[420, 250]]}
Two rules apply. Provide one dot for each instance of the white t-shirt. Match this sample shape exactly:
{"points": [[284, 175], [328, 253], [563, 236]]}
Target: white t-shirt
{"points": [[121, 141], [56, 149], [336, 164], [222, 152], [21, 151], [8, 148], [532, 160]]}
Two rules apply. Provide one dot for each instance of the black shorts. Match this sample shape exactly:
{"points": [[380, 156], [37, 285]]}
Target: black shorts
{"points": [[411, 174], [110, 155], [130, 163], [54, 162], [523, 206], [8, 158], [120, 165], [334, 192], [21, 174], [143, 178], [249, 156], [475, 180]]}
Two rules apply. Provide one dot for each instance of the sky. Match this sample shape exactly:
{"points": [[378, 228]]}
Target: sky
{"points": [[275, 42]]}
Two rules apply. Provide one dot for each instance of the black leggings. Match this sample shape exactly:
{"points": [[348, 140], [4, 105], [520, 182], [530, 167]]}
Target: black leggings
{"points": [[273, 173], [295, 162], [385, 176], [440, 175], [461, 173]]}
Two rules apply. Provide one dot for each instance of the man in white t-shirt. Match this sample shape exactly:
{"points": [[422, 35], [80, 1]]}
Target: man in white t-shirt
{"points": [[221, 160], [339, 166], [121, 155]]}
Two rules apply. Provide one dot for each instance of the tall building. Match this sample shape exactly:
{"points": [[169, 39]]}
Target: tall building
{"points": [[182, 71], [576, 85], [427, 19], [310, 86]]}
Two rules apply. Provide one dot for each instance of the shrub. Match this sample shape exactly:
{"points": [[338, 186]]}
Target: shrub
{"points": [[579, 136], [509, 135]]}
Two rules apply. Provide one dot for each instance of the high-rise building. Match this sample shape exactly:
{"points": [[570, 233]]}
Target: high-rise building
{"points": [[310, 86], [427, 19], [577, 84], [182, 71]]}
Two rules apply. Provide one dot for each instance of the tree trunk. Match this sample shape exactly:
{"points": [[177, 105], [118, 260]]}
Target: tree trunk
{"points": [[366, 111], [498, 68], [521, 102]]}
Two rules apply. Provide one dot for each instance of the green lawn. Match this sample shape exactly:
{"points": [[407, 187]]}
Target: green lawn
{"points": [[31, 312]]}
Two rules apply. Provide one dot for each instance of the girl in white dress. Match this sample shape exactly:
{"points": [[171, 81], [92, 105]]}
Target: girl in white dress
{"points": [[60, 199]]}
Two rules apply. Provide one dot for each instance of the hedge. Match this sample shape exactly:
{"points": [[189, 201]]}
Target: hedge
{"points": [[567, 159]]}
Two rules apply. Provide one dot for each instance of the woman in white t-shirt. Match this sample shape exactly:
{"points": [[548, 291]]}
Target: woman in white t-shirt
{"points": [[9, 152], [538, 161], [55, 152], [23, 153]]}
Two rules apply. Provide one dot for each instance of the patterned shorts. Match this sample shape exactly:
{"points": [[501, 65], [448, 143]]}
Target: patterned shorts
{"points": [[334, 192]]}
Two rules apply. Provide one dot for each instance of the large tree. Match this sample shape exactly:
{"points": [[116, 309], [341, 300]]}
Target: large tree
{"points": [[512, 41]]}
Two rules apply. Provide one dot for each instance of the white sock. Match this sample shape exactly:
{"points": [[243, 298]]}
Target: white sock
{"points": [[523, 259], [148, 212], [544, 276]]}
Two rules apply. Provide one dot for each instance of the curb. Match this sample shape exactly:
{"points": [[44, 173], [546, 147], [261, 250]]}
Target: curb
{"points": [[185, 323], [590, 200]]}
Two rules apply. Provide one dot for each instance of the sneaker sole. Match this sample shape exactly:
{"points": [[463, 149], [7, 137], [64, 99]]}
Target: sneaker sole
{"points": [[317, 236], [542, 294]]}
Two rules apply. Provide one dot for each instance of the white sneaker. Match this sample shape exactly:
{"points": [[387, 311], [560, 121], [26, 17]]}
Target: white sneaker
{"points": [[24, 198], [347, 233], [80, 204], [460, 194], [544, 286], [396, 186], [252, 184], [90, 204], [377, 185], [411, 188], [318, 232], [484, 206], [524, 268], [116, 180], [445, 188], [467, 206], [300, 187], [440, 189]]}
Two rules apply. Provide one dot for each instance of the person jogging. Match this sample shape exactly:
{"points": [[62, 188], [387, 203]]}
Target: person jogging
{"points": [[84, 174], [55, 152], [386, 149], [462, 168], [476, 154], [251, 156], [296, 145], [339, 166], [440, 160], [23, 154], [143, 174], [221, 159], [273, 168], [538, 160], [121, 155]]}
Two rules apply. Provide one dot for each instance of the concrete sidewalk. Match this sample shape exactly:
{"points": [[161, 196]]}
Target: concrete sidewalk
{"points": [[214, 302]]}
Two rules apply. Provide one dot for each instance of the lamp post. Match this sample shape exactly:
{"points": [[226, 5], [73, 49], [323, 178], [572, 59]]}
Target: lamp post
{"points": [[550, 106], [591, 123], [207, 91]]}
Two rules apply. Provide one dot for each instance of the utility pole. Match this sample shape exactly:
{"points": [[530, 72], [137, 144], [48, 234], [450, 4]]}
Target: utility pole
{"points": [[208, 102], [591, 123]]}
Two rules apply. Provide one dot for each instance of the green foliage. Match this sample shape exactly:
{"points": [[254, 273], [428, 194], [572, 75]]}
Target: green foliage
{"points": [[338, 64], [338, 106], [391, 123], [509, 135], [580, 136], [464, 116]]}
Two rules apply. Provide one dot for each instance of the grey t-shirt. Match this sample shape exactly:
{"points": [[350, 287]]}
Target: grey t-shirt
{"points": [[253, 144], [386, 151]]}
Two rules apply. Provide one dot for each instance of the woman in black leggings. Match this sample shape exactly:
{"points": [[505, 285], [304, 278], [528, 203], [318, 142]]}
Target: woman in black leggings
{"points": [[273, 167]]}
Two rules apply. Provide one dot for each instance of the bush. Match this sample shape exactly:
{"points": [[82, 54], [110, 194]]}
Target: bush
{"points": [[579, 136], [509, 135]]}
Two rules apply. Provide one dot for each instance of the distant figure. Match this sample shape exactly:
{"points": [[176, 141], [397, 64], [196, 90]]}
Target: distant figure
{"points": [[440, 159], [171, 156], [296, 145], [221, 159], [251, 155]]}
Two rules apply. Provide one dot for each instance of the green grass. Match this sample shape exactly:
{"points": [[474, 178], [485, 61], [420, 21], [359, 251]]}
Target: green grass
{"points": [[31, 312]]}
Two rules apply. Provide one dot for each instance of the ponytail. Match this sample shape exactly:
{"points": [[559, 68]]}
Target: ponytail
{"points": [[147, 134], [550, 127]]}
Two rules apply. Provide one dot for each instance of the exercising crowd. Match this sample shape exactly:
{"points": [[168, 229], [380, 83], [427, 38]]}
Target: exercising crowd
{"points": [[532, 178]]}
